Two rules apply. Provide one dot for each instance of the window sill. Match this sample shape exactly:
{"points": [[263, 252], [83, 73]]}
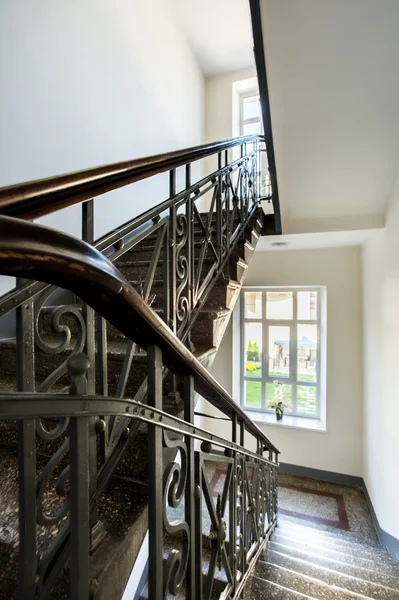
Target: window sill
{"points": [[288, 421]]}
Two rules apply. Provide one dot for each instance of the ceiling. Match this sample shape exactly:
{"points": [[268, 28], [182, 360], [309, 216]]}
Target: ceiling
{"points": [[334, 93], [219, 33], [307, 241]]}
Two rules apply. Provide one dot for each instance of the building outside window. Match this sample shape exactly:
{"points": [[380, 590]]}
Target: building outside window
{"points": [[281, 343], [250, 115]]}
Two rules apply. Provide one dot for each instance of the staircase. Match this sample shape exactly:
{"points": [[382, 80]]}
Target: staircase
{"points": [[305, 562], [113, 340]]}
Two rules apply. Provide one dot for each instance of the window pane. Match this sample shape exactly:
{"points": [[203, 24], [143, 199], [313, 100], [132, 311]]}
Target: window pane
{"points": [[271, 395], [253, 305], [251, 108], [306, 399], [279, 305], [307, 352], [279, 351], [307, 306], [253, 349], [252, 128], [253, 391]]}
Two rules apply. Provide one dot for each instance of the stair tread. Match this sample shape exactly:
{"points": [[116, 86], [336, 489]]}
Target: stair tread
{"points": [[287, 524], [380, 572], [329, 575], [367, 554], [288, 584]]}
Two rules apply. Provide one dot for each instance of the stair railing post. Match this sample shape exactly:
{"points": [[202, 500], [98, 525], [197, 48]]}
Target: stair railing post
{"points": [[190, 251], [89, 349], [79, 496], [227, 202], [172, 253], [233, 508], [194, 568], [26, 453], [219, 224], [155, 475]]}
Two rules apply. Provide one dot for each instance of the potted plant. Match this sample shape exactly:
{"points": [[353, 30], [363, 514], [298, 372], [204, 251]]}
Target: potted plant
{"points": [[278, 404]]}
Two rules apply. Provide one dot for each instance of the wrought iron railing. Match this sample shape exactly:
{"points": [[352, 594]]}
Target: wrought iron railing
{"points": [[81, 441]]}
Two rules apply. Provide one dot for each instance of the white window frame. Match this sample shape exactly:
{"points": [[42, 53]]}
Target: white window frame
{"points": [[243, 97], [292, 324]]}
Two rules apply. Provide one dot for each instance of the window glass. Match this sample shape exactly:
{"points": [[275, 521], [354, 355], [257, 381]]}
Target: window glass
{"points": [[306, 399], [279, 305], [251, 128], [307, 352], [253, 353], [272, 397], [253, 305], [281, 348], [279, 351], [307, 306], [253, 394], [251, 108]]}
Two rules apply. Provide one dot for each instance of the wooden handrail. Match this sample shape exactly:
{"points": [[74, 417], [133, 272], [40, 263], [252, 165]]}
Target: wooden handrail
{"points": [[44, 196], [36, 252]]}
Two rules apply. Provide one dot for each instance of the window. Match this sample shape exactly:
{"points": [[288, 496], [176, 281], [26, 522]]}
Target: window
{"points": [[250, 115], [281, 333]]}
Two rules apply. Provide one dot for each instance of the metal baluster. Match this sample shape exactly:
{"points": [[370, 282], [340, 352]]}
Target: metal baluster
{"points": [[193, 581], [166, 271], [190, 252], [219, 226], [102, 377], [172, 254], [227, 203], [155, 473], [89, 349], [198, 522], [26, 452], [233, 508], [79, 496], [244, 532]]}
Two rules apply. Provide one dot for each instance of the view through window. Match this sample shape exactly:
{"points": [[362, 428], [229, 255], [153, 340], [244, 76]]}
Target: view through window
{"points": [[250, 116], [281, 348]]}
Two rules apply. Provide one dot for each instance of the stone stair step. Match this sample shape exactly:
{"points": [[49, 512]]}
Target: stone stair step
{"points": [[331, 576], [335, 549], [348, 563], [290, 527], [277, 582]]}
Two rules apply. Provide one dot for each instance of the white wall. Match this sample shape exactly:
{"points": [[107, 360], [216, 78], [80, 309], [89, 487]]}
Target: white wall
{"points": [[339, 269], [219, 104], [89, 82], [381, 373]]}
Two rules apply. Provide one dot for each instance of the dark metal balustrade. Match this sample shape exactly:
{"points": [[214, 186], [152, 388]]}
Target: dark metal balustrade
{"points": [[84, 434]]}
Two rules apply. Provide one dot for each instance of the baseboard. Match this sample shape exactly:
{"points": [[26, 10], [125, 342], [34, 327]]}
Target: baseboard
{"points": [[388, 541], [329, 476]]}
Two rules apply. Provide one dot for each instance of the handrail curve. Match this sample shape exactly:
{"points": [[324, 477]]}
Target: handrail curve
{"points": [[35, 199], [37, 252]]}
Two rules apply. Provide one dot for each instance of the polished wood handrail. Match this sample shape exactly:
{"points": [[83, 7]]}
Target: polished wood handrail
{"points": [[36, 252], [44, 196]]}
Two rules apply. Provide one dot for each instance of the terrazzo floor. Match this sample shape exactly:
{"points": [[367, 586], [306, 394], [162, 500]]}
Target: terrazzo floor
{"points": [[310, 502]]}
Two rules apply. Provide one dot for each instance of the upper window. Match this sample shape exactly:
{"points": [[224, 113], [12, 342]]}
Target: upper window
{"points": [[250, 114], [281, 332]]}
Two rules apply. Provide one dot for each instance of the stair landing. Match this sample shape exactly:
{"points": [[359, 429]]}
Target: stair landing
{"points": [[325, 547]]}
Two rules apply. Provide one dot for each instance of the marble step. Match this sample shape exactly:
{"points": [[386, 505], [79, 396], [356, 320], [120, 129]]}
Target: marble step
{"points": [[349, 564], [330, 575], [290, 527], [336, 549], [283, 584]]}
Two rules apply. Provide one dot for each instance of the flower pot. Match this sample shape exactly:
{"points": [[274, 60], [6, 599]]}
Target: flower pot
{"points": [[279, 416]]}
